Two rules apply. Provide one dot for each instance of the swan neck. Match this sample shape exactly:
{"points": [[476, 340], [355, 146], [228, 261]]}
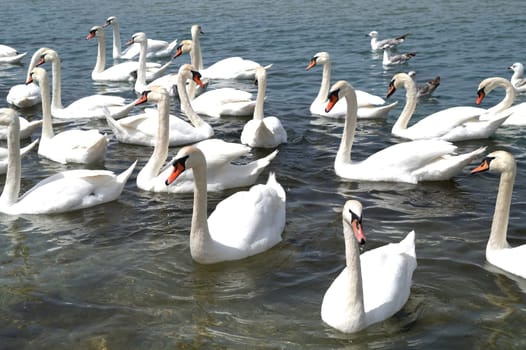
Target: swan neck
{"points": [[160, 151], [499, 225], [47, 122], [195, 119], [259, 113], [355, 287], [56, 99], [101, 54], [195, 54], [325, 82], [409, 107], [344, 151], [199, 232], [14, 166], [117, 53], [508, 99], [141, 72]]}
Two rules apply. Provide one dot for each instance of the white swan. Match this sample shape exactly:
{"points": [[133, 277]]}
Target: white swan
{"points": [[427, 88], [92, 106], [385, 43], [10, 55], [142, 129], [120, 72], [369, 105], [498, 250], [4, 155], [140, 83], [228, 68], [243, 224], [411, 162], [517, 113], [373, 286], [26, 95], [70, 146], [391, 59], [451, 124], [156, 48], [62, 192], [517, 79], [222, 174], [261, 131]]}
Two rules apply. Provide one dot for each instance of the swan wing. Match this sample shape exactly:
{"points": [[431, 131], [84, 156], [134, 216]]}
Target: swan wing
{"points": [[218, 152]]}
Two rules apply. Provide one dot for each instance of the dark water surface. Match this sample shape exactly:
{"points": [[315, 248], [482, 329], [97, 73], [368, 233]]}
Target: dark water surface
{"points": [[120, 275]]}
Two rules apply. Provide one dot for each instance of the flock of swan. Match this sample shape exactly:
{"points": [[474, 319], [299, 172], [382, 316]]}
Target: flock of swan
{"points": [[374, 285]]}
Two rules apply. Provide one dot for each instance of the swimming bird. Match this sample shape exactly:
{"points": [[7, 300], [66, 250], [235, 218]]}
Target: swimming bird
{"points": [[26, 95], [392, 59], [498, 250], [243, 224], [427, 88], [385, 43], [373, 286], [517, 79], [63, 192], [10, 55]]}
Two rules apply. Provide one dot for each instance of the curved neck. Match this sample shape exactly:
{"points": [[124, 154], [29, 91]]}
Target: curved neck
{"points": [[34, 59], [354, 291], [117, 53], [56, 98], [195, 53], [195, 119], [14, 166], [199, 232], [508, 99], [259, 113], [141, 71], [409, 107], [101, 54], [344, 151], [499, 226], [325, 81], [47, 122], [160, 151]]}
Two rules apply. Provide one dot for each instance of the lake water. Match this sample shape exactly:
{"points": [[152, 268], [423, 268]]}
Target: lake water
{"points": [[120, 275]]}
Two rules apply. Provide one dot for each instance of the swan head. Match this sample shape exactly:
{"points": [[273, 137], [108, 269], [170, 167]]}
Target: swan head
{"points": [[109, 21], [184, 47], [188, 157], [48, 55], [488, 84], [187, 71], [154, 94], [400, 80], [38, 75], [373, 34], [496, 161], [196, 29], [139, 37], [338, 91], [95, 31], [352, 214], [319, 58]]}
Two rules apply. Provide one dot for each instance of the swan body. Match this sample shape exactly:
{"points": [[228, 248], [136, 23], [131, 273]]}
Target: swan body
{"points": [[261, 131], [392, 59], [27, 128], [373, 286], [70, 146], [140, 83], [385, 43], [119, 72], [410, 162], [451, 124], [228, 68], [142, 129], [498, 251], [155, 48], [243, 224], [516, 113], [426, 89], [10, 55], [89, 107], [369, 105], [62, 192], [26, 95], [4, 155], [517, 79]]}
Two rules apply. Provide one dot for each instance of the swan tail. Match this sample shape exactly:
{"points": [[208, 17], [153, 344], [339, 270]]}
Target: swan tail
{"points": [[272, 182], [268, 66], [265, 161], [28, 148], [125, 175]]}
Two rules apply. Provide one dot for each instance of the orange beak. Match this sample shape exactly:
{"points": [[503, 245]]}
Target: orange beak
{"points": [[142, 99], [178, 170], [178, 52], [311, 64], [41, 61], [197, 79], [480, 96], [482, 167], [333, 98], [391, 90], [29, 80], [358, 231], [90, 35]]}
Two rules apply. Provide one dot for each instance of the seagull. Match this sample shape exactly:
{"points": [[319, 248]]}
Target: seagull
{"points": [[385, 43], [428, 87], [517, 79], [390, 59]]}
